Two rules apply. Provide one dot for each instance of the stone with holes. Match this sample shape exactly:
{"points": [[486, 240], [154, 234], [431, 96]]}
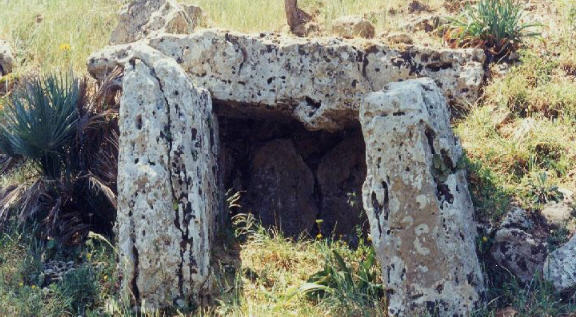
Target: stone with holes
{"points": [[560, 267], [167, 184], [319, 82], [418, 203], [142, 18]]}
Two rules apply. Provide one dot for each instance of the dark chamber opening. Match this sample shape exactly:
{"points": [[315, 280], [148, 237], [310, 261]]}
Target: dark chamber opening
{"points": [[290, 177]]}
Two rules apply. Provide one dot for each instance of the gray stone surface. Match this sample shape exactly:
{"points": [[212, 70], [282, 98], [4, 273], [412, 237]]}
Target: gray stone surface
{"points": [[418, 203], [282, 188], [560, 266], [168, 195], [519, 252], [320, 82], [142, 18]]}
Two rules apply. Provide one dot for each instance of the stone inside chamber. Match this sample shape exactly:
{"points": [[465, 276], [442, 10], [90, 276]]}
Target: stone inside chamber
{"points": [[290, 178]]}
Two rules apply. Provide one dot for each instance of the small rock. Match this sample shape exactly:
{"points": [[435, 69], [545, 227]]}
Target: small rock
{"points": [[557, 213], [517, 218], [353, 26], [6, 58], [307, 29], [399, 38], [567, 194], [560, 266], [519, 252]]}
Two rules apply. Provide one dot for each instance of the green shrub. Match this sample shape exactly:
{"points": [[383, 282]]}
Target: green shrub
{"points": [[495, 25], [40, 122], [72, 136]]}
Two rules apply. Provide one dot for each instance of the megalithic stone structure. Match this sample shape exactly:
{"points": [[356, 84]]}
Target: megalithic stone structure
{"points": [[415, 193]]}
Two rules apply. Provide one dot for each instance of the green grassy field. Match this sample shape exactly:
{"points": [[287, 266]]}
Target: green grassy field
{"points": [[519, 139]]}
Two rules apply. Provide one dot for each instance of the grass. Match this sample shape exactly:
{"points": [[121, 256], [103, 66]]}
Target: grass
{"points": [[49, 34], [266, 279]]}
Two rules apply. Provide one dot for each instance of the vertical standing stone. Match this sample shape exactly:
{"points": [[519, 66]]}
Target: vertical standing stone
{"points": [[418, 204], [168, 185]]}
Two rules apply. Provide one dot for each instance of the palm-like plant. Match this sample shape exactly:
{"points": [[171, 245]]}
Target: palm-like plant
{"points": [[495, 25], [40, 121], [71, 134]]}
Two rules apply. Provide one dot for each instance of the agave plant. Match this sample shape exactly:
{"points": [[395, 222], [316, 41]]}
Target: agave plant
{"points": [[495, 25], [71, 134]]}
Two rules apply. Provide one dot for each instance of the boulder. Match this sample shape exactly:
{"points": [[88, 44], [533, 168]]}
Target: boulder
{"points": [[520, 252], [340, 175], [418, 204], [517, 218], [520, 244], [558, 213], [319, 82], [560, 266], [350, 27], [281, 188], [142, 18], [6, 58]]}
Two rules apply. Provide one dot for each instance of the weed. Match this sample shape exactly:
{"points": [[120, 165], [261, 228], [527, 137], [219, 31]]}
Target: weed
{"points": [[490, 200], [540, 191], [494, 25], [537, 298], [340, 285]]}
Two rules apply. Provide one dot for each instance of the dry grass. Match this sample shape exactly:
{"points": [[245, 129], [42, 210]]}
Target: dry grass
{"points": [[48, 34]]}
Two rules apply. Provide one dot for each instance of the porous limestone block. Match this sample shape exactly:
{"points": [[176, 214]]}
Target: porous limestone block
{"points": [[168, 189], [417, 201]]}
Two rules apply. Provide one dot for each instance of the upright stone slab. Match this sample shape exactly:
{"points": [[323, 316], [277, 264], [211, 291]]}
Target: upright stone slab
{"points": [[418, 203], [167, 183]]}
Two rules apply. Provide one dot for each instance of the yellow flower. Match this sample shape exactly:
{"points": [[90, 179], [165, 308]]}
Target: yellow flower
{"points": [[105, 277], [21, 284], [65, 47], [33, 286], [484, 239], [319, 236]]}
